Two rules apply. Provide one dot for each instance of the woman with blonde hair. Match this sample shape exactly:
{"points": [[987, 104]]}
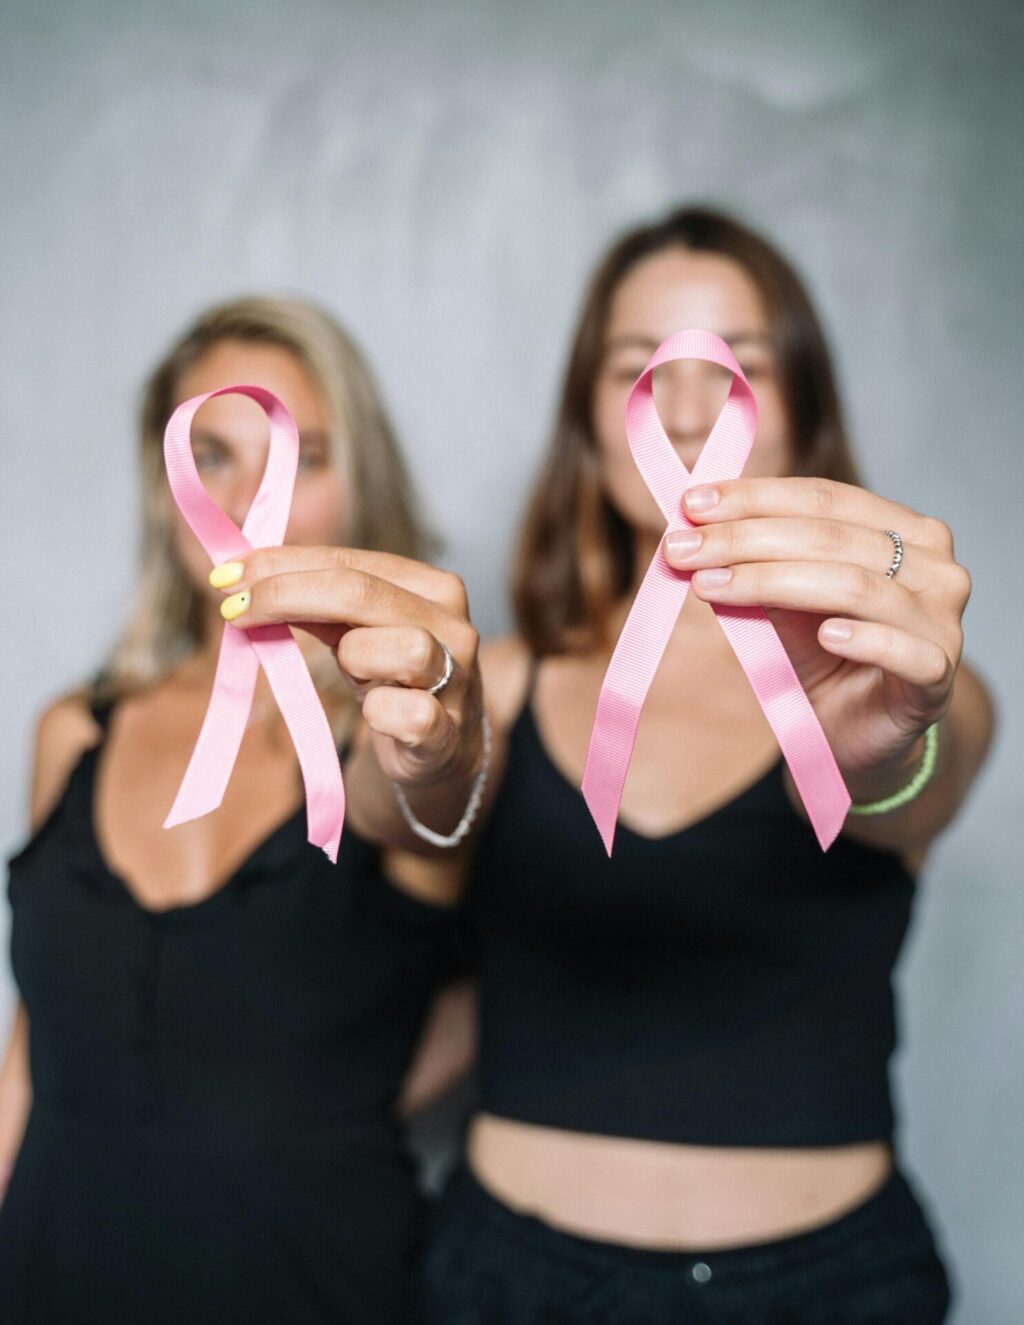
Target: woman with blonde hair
{"points": [[197, 1104]]}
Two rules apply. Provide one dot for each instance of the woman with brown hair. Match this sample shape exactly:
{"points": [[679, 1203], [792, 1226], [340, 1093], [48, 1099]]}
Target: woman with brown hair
{"points": [[685, 1109], [197, 1105]]}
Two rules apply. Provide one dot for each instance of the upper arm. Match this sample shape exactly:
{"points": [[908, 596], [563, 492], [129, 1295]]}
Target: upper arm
{"points": [[447, 1048], [977, 718], [15, 1094], [14, 1069], [65, 729]]}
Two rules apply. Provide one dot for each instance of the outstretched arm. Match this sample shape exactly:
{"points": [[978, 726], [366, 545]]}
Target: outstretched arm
{"points": [[878, 653]]}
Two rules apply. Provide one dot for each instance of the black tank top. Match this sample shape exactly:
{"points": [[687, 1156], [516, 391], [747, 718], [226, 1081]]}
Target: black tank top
{"points": [[212, 1134], [728, 984]]}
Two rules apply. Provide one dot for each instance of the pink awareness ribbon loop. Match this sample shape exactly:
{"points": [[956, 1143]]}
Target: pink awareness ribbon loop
{"points": [[243, 652], [660, 599]]}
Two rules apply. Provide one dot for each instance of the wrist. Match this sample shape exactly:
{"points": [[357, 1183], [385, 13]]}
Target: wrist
{"points": [[455, 771], [469, 792], [885, 798], [886, 778]]}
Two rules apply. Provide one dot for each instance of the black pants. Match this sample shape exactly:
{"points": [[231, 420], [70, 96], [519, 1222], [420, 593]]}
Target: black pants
{"points": [[491, 1266]]}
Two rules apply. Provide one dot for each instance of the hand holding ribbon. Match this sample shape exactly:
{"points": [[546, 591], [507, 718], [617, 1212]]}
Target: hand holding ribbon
{"points": [[660, 599], [243, 652]]}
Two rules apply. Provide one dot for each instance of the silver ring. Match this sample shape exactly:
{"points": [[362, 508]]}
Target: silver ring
{"points": [[897, 556], [449, 667]]}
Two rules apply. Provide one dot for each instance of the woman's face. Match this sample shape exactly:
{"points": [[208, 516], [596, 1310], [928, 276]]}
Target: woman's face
{"points": [[676, 290], [231, 437]]}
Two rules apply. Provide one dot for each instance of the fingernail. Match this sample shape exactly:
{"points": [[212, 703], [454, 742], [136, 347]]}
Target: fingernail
{"points": [[701, 499], [683, 542], [226, 574], [713, 579], [837, 630], [232, 608]]}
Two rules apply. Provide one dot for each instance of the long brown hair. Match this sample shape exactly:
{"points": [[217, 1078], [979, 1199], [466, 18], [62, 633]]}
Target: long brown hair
{"points": [[165, 621], [574, 557]]}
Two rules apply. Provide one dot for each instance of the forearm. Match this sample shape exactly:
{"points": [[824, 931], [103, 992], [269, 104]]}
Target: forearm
{"points": [[446, 1051]]}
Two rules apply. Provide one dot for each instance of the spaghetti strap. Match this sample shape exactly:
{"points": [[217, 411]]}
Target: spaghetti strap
{"points": [[531, 684], [101, 709], [531, 680]]}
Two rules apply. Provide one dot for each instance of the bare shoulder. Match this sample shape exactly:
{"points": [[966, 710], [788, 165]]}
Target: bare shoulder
{"points": [[63, 732], [505, 667]]}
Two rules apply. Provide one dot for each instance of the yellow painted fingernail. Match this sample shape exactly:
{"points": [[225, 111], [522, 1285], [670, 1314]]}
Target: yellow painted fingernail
{"points": [[232, 608], [226, 574]]}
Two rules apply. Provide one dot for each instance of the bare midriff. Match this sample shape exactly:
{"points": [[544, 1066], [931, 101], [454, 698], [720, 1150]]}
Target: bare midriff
{"points": [[667, 1196]]}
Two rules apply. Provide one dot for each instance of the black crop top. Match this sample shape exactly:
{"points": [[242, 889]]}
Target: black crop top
{"points": [[212, 1134], [728, 984]]}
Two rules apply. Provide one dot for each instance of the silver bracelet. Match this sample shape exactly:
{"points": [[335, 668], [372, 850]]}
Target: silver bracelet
{"points": [[453, 838]]}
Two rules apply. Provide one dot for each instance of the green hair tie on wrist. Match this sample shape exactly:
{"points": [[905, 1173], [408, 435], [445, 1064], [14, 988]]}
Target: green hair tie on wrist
{"points": [[916, 784]]}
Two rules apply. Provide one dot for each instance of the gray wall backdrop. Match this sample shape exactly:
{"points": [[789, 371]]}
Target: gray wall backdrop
{"points": [[443, 177]]}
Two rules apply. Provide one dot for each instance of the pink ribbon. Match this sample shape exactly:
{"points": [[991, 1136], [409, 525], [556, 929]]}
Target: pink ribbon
{"points": [[660, 599], [243, 652]]}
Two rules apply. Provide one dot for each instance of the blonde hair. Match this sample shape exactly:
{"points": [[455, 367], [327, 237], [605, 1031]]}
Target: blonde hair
{"points": [[166, 620]]}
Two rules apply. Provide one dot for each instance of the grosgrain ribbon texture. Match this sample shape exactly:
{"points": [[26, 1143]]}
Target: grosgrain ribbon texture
{"points": [[660, 599], [243, 652]]}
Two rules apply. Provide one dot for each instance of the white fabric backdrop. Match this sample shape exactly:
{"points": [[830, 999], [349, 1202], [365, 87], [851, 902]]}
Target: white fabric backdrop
{"points": [[443, 176]]}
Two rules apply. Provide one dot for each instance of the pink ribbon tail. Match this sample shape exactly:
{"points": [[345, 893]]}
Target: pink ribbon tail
{"points": [[791, 717], [307, 724], [636, 658]]}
